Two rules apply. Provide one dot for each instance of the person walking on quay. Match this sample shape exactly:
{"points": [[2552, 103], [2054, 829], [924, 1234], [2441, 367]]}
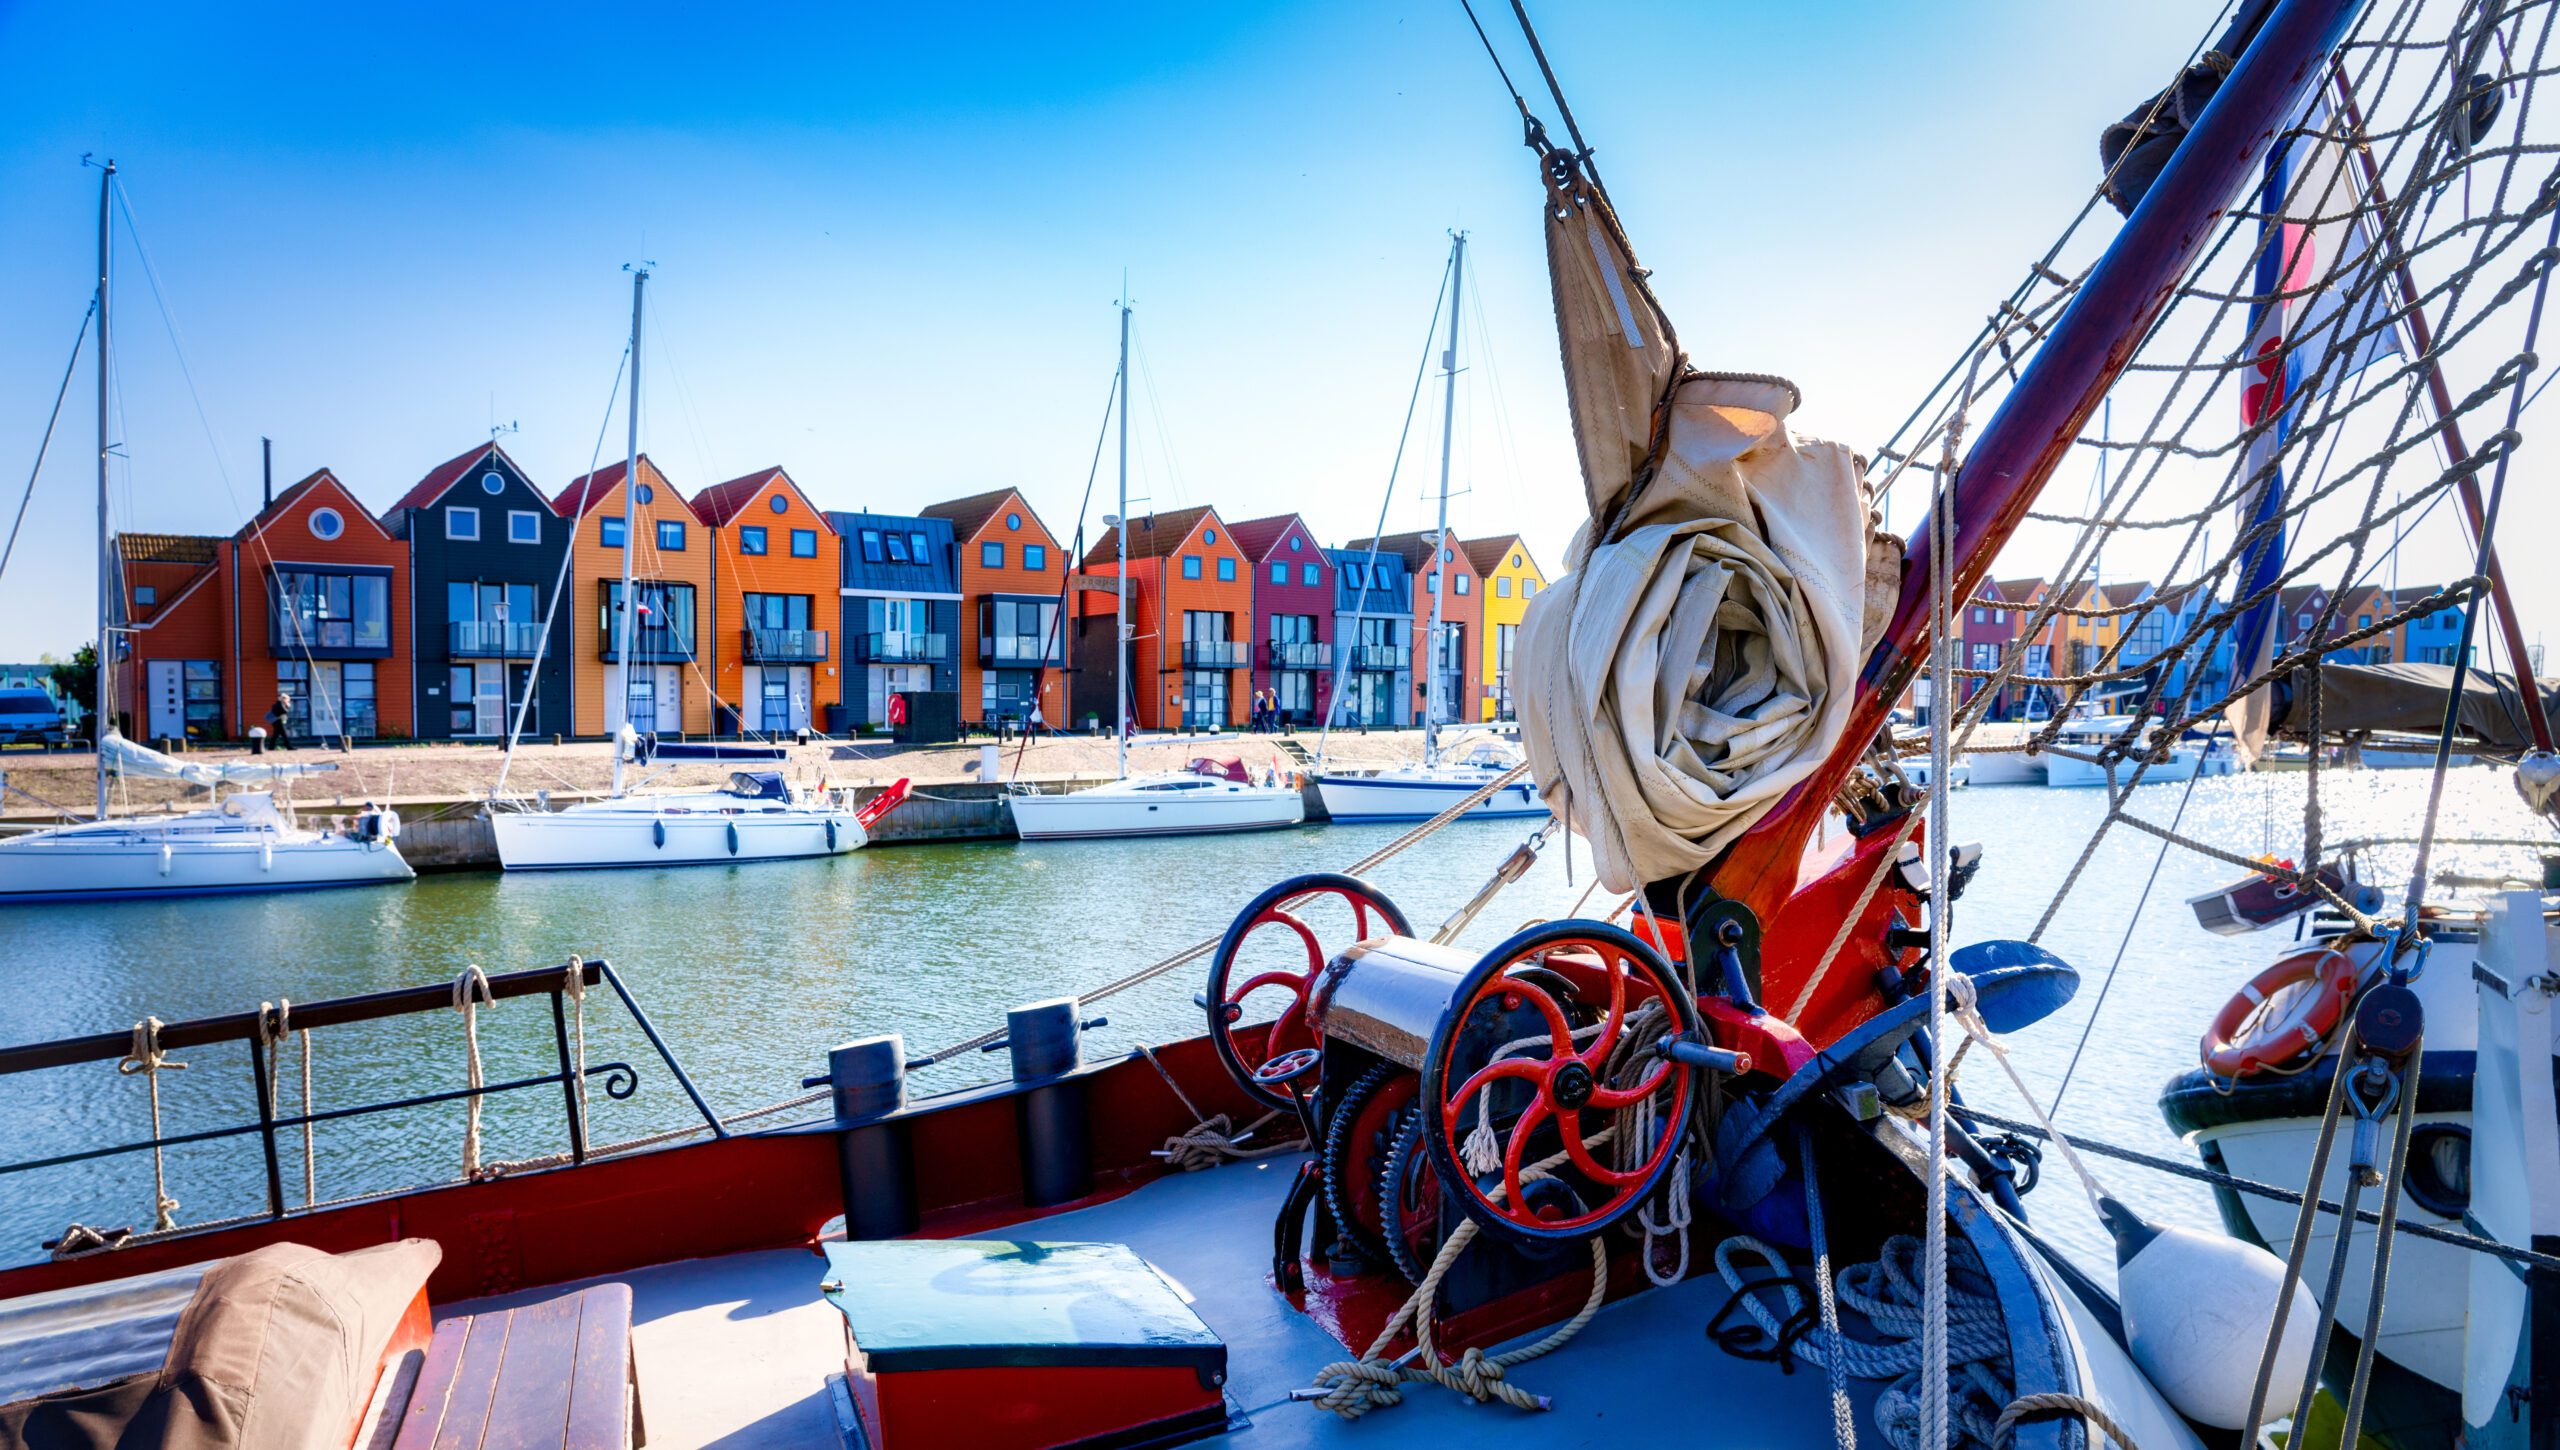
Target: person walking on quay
{"points": [[280, 720], [1037, 723]]}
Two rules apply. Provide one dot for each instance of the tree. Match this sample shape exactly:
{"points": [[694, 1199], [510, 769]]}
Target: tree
{"points": [[77, 679]]}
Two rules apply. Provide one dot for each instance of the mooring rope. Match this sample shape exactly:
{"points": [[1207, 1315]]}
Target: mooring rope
{"points": [[470, 993], [147, 1059]]}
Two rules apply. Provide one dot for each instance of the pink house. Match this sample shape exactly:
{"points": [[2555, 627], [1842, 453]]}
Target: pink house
{"points": [[1292, 614]]}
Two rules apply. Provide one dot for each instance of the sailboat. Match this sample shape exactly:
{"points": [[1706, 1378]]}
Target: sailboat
{"points": [[1419, 792], [757, 816], [1213, 793], [250, 842]]}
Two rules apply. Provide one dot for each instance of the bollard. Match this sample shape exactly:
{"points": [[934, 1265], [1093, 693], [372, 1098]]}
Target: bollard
{"points": [[875, 1159], [1053, 1123]]}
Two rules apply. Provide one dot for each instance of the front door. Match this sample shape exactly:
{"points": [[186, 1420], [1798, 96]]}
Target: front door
{"points": [[328, 697], [773, 703], [167, 691], [488, 701], [670, 698]]}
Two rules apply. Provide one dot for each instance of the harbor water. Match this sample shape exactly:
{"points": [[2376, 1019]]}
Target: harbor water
{"points": [[752, 973]]}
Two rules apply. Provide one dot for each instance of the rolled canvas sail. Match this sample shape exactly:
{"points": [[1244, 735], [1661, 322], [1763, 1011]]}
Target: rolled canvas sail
{"points": [[123, 757]]}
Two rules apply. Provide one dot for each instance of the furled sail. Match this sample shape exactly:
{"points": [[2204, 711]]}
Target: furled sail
{"points": [[122, 757], [1701, 656], [2408, 699]]}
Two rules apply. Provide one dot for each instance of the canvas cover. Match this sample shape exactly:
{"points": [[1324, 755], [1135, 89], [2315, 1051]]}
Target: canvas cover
{"points": [[2409, 699], [123, 757], [1700, 657]]}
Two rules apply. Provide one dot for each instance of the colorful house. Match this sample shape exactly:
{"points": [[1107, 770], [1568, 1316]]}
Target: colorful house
{"points": [[1991, 623], [775, 572], [669, 689], [320, 610], [174, 667], [1373, 628], [1292, 631], [1511, 578], [2428, 639], [1189, 605], [484, 550], [2300, 610], [1461, 619], [1013, 648], [900, 600]]}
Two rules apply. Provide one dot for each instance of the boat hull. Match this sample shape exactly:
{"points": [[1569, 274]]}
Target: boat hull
{"points": [[1367, 798], [142, 863], [2062, 771], [582, 838], [1096, 813]]}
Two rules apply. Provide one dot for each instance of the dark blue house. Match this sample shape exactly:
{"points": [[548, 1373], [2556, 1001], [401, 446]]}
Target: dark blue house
{"points": [[484, 555], [901, 610], [1372, 637]]}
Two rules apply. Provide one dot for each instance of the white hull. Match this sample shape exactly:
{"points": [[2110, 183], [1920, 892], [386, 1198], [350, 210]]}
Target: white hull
{"points": [[1379, 798], [2063, 771], [641, 831], [205, 853], [2006, 767], [1157, 806]]}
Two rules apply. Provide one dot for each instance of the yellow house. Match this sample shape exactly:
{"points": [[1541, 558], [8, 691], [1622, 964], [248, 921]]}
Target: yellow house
{"points": [[2086, 637], [1511, 579]]}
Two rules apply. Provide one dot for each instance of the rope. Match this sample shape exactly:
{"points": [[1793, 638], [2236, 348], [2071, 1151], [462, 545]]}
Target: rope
{"points": [[274, 1025], [575, 989], [1844, 1420], [2028, 1407], [145, 1057], [470, 993]]}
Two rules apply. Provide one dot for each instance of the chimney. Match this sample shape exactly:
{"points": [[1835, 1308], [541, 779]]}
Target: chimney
{"points": [[267, 447]]}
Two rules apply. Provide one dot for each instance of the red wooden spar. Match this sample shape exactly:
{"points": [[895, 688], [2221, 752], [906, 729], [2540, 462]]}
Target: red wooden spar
{"points": [[2036, 423]]}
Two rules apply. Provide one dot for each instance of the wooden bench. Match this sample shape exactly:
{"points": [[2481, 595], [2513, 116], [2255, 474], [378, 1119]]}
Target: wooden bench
{"points": [[558, 1373]]}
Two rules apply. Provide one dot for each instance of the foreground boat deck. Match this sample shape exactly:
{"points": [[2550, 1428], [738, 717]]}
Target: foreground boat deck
{"points": [[736, 1351]]}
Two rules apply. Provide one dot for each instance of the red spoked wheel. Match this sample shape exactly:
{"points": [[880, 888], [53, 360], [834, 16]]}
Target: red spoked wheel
{"points": [[1283, 908], [1572, 1147]]}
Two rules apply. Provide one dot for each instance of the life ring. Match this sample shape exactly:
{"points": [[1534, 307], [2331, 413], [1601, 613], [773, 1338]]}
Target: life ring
{"points": [[2246, 1036]]}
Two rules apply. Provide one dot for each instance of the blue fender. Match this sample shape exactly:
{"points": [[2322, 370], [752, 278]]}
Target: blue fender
{"points": [[733, 838], [831, 833], [658, 833]]}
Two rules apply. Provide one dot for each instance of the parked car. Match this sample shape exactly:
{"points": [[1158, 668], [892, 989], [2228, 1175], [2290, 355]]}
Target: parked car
{"points": [[29, 717]]}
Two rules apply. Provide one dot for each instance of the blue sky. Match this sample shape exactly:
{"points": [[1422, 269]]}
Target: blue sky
{"points": [[888, 240]]}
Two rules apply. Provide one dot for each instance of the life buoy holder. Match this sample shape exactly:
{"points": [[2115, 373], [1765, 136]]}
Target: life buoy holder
{"points": [[2246, 1037]]}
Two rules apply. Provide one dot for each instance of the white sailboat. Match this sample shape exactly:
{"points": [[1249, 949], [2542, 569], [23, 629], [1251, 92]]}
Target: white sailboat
{"points": [[1419, 792], [249, 843], [1211, 794], [757, 816]]}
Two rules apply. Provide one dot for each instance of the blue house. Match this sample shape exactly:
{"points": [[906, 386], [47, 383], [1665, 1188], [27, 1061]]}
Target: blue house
{"points": [[1373, 636], [484, 555], [2432, 639], [901, 601]]}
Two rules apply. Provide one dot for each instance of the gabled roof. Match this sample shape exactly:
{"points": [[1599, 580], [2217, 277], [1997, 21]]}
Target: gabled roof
{"points": [[1486, 554], [1151, 537], [293, 495], [448, 473], [721, 502], [1258, 537], [583, 491], [968, 515], [2017, 591], [167, 548], [2119, 595], [1416, 549]]}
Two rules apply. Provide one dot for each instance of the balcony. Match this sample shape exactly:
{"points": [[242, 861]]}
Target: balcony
{"points": [[1384, 658], [1298, 654], [493, 639], [650, 647], [891, 647], [786, 646], [1213, 654], [291, 637], [1014, 651]]}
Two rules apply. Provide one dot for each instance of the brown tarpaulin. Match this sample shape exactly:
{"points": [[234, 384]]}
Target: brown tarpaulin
{"points": [[2409, 699]]}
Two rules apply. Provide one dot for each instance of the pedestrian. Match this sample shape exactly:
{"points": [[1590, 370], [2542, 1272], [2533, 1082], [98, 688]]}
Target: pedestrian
{"points": [[280, 718], [1037, 724]]}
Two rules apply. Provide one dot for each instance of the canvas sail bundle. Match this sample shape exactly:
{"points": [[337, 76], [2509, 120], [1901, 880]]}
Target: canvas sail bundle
{"points": [[122, 757], [1700, 657]]}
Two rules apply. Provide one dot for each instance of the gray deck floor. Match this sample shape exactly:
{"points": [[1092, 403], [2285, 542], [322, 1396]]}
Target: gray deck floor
{"points": [[736, 1351]]}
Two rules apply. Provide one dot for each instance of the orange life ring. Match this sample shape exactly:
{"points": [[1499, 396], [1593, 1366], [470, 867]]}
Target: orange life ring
{"points": [[2247, 1036]]}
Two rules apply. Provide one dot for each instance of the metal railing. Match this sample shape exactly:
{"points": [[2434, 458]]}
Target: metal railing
{"points": [[1299, 654], [1015, 649], [906, 647], [1213, 654], [793, 646], [494, 638], [1382, 657], [650, 646], [260, 1030], [290, 635]]}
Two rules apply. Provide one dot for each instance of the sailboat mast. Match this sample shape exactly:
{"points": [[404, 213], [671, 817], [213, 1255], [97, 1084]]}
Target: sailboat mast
{"points": [[106, 529], [621, 685], [1120, 589], [1440, 550]]}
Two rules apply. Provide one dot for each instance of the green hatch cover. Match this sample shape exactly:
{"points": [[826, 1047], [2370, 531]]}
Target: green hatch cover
{"points": [[974, 1303]]}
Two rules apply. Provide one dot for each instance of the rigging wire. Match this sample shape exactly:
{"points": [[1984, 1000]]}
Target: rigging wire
{"points": [[78, 341]]}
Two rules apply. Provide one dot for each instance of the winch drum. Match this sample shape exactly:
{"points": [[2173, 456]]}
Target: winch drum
{"points": [[1387, 996]]}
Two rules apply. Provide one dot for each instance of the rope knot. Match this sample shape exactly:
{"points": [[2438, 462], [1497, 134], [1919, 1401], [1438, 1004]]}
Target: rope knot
{"points": [[146, 1055]]}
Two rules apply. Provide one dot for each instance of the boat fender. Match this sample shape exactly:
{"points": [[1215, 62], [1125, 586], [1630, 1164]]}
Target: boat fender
{"points": [[831, 835], [389, 824], [165, 858], [658, 833], [266, 855], [733, 838], [2196, 1310], [2248, 1034]]}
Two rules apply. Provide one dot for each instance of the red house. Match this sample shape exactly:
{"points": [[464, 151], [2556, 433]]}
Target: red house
{"points": [[1292, 614]]}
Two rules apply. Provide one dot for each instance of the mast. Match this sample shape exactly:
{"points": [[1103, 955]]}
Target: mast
{"points": [[1440, 566], [1120, 589], [621, 679], [105, 694]]}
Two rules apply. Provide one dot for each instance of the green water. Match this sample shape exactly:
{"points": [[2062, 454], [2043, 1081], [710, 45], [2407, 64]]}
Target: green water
{"points": [[752, 972]]}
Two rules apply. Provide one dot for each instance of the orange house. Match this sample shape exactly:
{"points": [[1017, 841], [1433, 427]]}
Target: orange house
{"points": [[1012, 646], [669, 684], [1459, 659], [320, 611], [173, 674], [775, 573], [1191, 612]]}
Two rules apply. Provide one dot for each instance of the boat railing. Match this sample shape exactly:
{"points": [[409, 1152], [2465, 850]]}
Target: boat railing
{"points": [[263, 1032]]}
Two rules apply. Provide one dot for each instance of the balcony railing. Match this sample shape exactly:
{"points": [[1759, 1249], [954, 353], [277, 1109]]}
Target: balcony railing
{"points": [[787, 646], [1382, 657], [1299, 654], [1015, 649], [1213, 654], [892, 647], [650, 647], [495, 639], [289, 637]]}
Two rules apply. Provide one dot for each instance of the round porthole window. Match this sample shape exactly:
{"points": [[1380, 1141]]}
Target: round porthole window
{"points": [[781, 505], [1208, 536], [647, 493], [2439, 1171], [1293, 543], [1013, 521], [326, 524], [493, 483]]}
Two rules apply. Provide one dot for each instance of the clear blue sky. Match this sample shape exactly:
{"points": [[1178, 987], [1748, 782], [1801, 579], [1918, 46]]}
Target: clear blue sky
{"points": [[888, 238]]}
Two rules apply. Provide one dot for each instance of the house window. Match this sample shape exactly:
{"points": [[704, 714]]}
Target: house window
{"points": [[1035, 557], [461, 523], [671, 535], [1465, 584], [1280, 572], [804, 542], [1293, 543], [781, 505], [145, 596], [897, 548], [1013, 523], [916, 543], [1515, 561], [1209, 536], [664, 625], [315, 610], [493, 483], [1190, 566], [1502, 586], [1528, 588], [991, 555], [524, 526], [871, 546], [1431, 582], [1999, 616], [1226, 571], [326, 524], [1978, 615], [645, 493], [1309, 575], [751, 539], [609, 533], [341, 698], [203, 685]]}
